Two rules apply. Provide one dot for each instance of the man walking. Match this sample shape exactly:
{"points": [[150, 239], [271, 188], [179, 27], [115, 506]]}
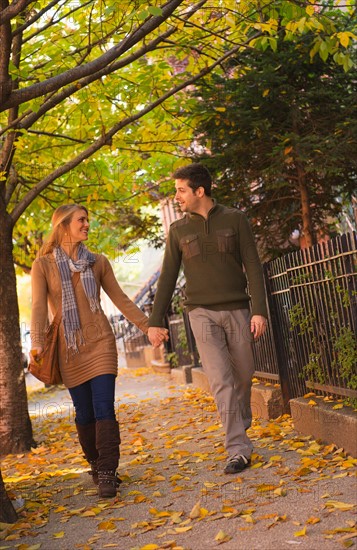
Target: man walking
{"points": [[217, 249]]}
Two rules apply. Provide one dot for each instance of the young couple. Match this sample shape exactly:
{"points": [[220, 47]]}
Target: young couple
{"points": [[214, 244]]}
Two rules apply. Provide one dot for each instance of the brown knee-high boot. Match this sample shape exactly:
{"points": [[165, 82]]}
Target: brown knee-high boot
{"points": [[87, 440], [107, 441]]}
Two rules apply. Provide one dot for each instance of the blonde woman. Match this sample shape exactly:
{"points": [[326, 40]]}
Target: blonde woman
{"points": [[87, 348]]}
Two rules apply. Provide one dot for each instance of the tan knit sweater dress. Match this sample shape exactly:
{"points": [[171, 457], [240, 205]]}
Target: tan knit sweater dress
{"points": [[99, 354]]}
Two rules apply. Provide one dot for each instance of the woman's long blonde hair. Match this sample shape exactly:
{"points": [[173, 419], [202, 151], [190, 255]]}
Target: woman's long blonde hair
{"points": [[61, 219]]}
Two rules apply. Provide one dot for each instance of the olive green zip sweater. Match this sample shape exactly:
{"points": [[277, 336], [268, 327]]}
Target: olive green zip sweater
{"points": [[213, 252]]}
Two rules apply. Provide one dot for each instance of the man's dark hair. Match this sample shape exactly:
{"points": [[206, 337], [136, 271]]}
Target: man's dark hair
{"points": [[197, 176]]}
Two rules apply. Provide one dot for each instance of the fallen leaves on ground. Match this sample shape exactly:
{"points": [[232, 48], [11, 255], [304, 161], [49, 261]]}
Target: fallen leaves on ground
{"points": [[171, 465]]}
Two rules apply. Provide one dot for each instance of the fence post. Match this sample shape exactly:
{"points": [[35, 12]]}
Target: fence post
{"points": [[348, 243], [278, 342]]}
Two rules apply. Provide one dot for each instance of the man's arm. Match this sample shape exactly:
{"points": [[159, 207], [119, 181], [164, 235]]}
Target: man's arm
{"points": [[255, 277], [167, 280]]}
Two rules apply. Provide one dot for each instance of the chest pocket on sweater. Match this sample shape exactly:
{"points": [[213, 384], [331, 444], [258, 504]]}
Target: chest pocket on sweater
{"points": [[226, 239], [190, 246]]}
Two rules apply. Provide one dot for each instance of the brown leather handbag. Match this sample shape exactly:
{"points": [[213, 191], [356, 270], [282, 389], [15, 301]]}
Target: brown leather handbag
{"points": [[45, 365]]}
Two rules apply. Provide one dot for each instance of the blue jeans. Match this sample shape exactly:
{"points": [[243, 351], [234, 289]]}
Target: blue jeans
{"points": [[94, 400]]}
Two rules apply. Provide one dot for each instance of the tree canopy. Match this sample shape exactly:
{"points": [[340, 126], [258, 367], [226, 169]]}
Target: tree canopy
{"points": [[91, 97], [279, 130]]}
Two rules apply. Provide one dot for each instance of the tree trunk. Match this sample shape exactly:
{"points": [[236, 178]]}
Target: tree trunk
{"points": [[15, 424], [307, 237], [7, 511]]}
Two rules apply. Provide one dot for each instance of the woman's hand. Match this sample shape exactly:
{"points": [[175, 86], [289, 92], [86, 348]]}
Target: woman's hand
{"points": [[35, 352], [157, 335]]}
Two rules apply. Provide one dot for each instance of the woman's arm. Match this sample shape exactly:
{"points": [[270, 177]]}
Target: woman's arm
{"points": [[111, 287]]}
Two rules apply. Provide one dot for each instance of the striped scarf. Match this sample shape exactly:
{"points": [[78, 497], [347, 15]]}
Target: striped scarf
{"points": [[66, 266]]}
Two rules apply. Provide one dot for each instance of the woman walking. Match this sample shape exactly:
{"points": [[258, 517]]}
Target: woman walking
{"points": [[87, 347]]}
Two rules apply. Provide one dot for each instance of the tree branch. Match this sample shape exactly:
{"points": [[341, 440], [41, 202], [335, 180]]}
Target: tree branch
{"points": [[72, 75], [10, 11], [56, 99], [107, 137], [60, 136]]}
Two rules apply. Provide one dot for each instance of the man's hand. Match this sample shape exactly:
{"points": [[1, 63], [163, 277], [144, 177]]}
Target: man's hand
{"points": [[157, 335], [258, 325]]}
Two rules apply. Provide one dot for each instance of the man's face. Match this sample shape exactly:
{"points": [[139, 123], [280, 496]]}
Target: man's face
{"points": [[187, 199]]}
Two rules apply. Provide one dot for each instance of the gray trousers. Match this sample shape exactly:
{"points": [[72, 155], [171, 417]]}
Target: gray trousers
{"points": [[224, 342]]}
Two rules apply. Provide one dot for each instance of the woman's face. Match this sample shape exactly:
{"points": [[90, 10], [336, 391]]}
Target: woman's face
{"points": [[78, 228]]}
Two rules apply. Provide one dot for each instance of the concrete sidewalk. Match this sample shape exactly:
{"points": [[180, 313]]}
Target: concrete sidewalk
{"points": [[174, 494]]}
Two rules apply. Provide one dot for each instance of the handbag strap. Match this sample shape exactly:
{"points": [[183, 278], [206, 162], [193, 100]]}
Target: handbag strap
{"points": [[75, 279]]}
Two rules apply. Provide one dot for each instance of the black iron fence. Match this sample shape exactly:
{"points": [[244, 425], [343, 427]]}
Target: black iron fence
{"points": [[312, 298], [310, 342]]}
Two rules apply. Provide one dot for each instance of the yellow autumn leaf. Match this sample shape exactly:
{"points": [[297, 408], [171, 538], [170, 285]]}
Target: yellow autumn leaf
{"points": [[163, 514], [338, 406], [335, 504], [312, 520], [155, 512], [303, 471], [60, 509], [265, 487], [341, 530], [344, 38], [266, 92], [275, 458], [212, 428], [281, 492], [88, 514], [310, 394], [176, 477], [176, 517], [312, 403], [106, 526], [210, 484], [257, 465], [70, 476], [228, 510], [140, 498], [149, 547], [248, 518], [222, 536], [39, 450], [301, 533], [183, 529], [4, 526], [58, 535], [195, 512]]}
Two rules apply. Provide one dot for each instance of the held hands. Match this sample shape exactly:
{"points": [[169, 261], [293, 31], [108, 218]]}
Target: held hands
{"points": [[157, 335], [258, 325]]}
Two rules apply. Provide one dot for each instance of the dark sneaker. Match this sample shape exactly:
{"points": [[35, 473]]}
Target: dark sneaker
{"points": [[236, 464]]}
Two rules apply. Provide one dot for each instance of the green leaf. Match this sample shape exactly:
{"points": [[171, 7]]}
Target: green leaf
{"points": [[154, 10]]}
